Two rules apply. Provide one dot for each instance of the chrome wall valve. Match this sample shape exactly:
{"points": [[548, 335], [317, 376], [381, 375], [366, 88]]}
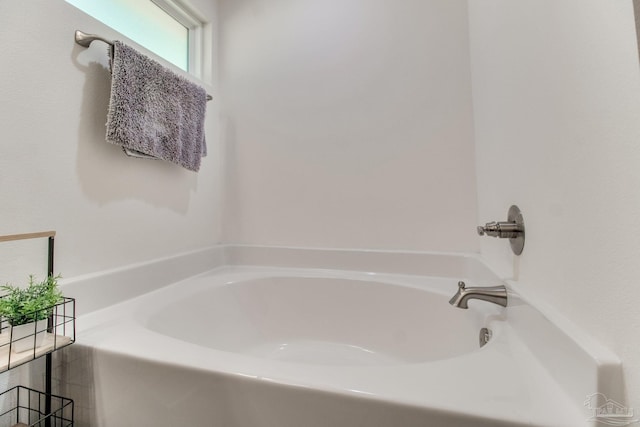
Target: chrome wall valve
{"points": [[512, 229]]}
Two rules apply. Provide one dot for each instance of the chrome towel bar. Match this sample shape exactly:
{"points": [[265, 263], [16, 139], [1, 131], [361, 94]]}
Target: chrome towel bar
{"points": [[85, 40]]}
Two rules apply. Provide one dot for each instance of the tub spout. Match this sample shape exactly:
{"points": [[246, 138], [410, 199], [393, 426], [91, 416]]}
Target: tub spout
{"points": [[494, 294]]}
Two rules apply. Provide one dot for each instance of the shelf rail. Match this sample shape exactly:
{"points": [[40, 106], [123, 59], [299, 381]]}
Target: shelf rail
{"points": [[85, 40]]}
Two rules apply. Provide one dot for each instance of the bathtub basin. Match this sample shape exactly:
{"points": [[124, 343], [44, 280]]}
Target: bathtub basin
{"points": [[321, 320], [288, 347]]}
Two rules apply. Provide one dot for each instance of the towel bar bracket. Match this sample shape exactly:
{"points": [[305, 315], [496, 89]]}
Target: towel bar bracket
{"points": [[85, 40]]}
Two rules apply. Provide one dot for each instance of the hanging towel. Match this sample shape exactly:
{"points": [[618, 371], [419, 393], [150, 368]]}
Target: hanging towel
{"points": [[153, 112]]}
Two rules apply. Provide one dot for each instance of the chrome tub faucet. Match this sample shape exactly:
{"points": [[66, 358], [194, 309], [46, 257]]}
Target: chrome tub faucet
{"points": [[494, 294]]}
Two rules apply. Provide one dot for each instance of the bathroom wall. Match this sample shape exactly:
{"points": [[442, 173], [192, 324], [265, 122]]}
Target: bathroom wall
{"points": [[56, 170], [556, 89], [348, 123]]}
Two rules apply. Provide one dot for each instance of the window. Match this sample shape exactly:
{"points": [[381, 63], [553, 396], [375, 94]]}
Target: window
{"points": [[164, 27]]}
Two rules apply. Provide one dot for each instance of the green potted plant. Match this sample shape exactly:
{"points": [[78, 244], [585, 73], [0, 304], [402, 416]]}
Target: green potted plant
{"points": [[27, 310]]}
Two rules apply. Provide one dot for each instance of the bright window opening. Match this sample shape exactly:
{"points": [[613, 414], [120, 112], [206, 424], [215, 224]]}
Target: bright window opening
{"points": [[164, 27]]}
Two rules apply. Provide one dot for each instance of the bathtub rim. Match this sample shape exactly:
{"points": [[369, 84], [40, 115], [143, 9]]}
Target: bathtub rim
{"points": [[102, 289]]}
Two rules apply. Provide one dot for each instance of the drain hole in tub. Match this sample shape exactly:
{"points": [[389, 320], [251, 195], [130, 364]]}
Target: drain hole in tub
{"points": [[485, 336]]}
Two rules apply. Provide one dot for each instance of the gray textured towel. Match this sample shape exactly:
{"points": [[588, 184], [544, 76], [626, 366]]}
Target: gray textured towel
{"points": [[153, 111]]}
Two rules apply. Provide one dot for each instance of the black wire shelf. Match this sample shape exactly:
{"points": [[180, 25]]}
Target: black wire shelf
{"points": [[19, 346], [22, 406], [26, 407]]}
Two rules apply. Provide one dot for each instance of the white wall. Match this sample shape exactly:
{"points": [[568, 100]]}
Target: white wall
{"points": [[348, 124], [556, 88], [56, 170]]}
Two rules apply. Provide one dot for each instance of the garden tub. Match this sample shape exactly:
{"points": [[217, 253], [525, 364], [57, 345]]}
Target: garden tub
{"points": [[277, 347]]}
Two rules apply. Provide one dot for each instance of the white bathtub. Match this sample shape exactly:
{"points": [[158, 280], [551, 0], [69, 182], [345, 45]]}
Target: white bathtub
{"points": [[279, 347]]}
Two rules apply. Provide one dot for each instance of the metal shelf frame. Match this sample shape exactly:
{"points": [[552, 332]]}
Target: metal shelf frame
{"points": [[50, 235]]}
